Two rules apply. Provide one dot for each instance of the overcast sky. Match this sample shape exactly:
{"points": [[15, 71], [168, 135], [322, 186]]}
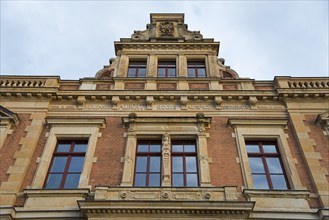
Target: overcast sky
{"points": [[74, 39]]}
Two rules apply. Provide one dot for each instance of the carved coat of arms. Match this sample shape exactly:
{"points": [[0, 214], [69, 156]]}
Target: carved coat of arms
{"points": [[167, 29]]}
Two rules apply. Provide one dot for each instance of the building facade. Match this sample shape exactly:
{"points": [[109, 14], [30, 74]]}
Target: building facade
{"points": [[165, 131]]}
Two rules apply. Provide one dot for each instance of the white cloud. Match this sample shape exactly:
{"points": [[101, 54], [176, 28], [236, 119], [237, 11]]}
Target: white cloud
{"points": [[74, 39]]}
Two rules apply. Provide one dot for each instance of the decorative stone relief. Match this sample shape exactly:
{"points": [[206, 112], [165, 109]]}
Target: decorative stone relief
{"points": [[167, 28], [166, 145]]}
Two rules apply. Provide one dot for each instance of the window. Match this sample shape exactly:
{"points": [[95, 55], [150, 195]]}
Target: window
{"points": [[196, 69], [148, 164], [167, 69], [266, 166], [137, 69], [66, 165], [184, 164]]}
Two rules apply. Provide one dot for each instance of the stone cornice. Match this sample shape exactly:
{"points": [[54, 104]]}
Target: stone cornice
{"points": [[82, 121], [158, 46], [170, 208], [255, 121]]}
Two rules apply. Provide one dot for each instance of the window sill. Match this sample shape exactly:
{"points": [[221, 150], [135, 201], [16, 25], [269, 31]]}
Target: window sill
{"points": [[59, 199], [278, 200]]}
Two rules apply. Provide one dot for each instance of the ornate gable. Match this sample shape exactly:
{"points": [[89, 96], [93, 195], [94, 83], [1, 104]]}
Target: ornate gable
{"points": [[164, 27]]}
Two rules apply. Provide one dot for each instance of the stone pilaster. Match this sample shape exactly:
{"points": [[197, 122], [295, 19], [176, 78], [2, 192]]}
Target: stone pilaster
{"points": [[10, 189], [312, 158], [166, 165], [129, 161]]}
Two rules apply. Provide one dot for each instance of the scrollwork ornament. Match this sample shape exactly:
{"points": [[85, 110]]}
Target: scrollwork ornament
{"points": [[165, 195], [207, 195], [124, 195]]}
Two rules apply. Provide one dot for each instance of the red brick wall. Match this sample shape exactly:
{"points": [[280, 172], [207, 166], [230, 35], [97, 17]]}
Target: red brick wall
{"points": [[11, 145], [222, 148], [107, 171]]}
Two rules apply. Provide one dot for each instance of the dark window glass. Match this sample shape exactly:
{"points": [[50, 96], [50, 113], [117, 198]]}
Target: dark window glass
{"points": [[266, 166], [166, 69], [148, 164], [196, 69], [66, 165], [137, 69], [184, 164]]}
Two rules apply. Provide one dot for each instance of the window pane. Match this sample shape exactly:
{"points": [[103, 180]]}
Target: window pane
{"points": [[274, 165], [269, 148], [260, 182], [279, 182], [177, 148], [189, 148], [76, 164], [141, 164], [161, 72], [190, 164], [201, 72], [58, 164], [155, 148], [177, 164], [177, 180], [191, 180], [252, 148], [171, 72], [54, 181], [191, 72], [72, 181], [80, 147], [141, 72], [256, 165], [132, 72], [155, 164], [62, 147], [154, 179], [142, 148], [140, 179]]}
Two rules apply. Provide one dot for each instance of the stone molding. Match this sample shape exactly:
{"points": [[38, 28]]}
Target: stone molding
{"points": [[227, 193], [173, 209]]}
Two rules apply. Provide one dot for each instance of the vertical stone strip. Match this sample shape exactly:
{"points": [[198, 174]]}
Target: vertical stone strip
{"points": [[203, 160], [10, 189], [311, 157], [129, 161], [166, 165]]}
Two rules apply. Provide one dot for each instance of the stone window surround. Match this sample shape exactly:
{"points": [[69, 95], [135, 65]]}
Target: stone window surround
{"points": [[181, 63], [173, 128], [264, 130], [64, 129]]}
